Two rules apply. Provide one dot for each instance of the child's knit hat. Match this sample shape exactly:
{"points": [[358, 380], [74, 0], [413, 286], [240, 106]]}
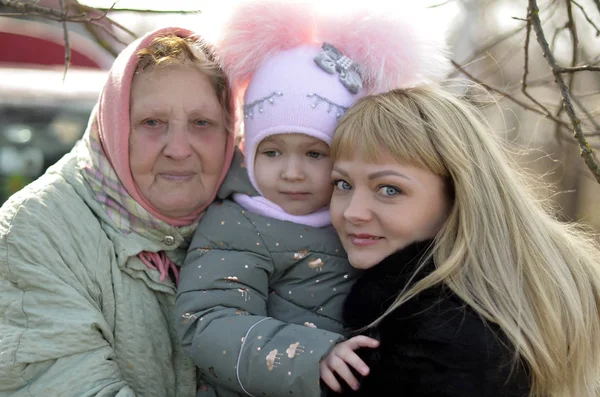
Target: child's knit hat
{"points": [[299, 71], [301, 90]]}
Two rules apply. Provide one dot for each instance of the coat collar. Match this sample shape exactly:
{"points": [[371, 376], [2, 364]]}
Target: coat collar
{"points": [[379, 286], [403, 263], [127, 241]]}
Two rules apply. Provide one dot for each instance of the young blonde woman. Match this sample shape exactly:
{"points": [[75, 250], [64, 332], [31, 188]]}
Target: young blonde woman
{"points": [[471, 285]]}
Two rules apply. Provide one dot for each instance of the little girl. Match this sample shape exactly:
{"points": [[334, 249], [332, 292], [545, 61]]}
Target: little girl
{"points": [[262, 289]]}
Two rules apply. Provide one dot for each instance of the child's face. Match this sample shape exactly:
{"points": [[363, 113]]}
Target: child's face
{"points": [[294, 172], [378, 209]]}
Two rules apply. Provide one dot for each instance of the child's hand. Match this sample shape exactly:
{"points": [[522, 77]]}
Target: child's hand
{"points": [[339, 359]]}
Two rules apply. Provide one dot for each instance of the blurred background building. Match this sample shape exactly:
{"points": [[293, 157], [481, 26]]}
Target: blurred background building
{"points": [[43, 111], [41, 116]]}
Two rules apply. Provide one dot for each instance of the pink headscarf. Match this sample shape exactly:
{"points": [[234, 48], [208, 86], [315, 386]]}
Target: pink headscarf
{"points": [[114, 123]]}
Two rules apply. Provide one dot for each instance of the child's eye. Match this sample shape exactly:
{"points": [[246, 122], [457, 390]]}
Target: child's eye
{"points": [[271, 153], [315, 155], [389, 190], [341, 184]]}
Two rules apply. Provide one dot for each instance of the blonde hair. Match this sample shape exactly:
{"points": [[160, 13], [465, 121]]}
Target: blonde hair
{"points": [[500, 249], [171, 49]]}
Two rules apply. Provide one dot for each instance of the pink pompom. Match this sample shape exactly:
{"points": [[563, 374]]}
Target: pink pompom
{"points": [[259, 29], [396, 46]]}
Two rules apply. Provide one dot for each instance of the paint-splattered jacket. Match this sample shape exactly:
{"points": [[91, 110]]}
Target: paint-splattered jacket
{"points": [[260, 300]]}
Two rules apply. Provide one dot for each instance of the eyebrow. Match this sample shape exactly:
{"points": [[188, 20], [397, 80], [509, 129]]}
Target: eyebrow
{"points": [[279, 141], [380, 174], [340, 171], [272, 139], [375, 175]]}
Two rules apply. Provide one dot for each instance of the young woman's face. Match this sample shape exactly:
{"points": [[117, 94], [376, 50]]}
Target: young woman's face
{"points": [[178, 138], [380, 208], [293, 171]]}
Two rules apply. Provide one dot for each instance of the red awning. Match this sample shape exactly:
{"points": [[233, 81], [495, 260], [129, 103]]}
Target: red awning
{"points": [[30, 42]]}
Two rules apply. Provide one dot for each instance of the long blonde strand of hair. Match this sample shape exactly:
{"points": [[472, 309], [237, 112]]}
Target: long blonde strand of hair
{"points": [[501, 250]]}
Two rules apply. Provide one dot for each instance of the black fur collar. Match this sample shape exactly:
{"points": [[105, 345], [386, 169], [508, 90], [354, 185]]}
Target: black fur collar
{"points": [[379, 286]]}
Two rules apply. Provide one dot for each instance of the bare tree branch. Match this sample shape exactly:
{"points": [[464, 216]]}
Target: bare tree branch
{"points": [[84, 15], [482, 51], [105, 11], [440, 4], [574, 69], [34, 9], [486, 47], [526, 69], [139, 11], [497, 63], [587, 17], [570, 26], [557, 32], [505, 36], [91, 29], [585, 148], [575, 40], [509, 96], [588, 114], [66, 38]]}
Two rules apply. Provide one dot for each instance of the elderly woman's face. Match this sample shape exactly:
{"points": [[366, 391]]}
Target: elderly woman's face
{"points": [[178, 138]]}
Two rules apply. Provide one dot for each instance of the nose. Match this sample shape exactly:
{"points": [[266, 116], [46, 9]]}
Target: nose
{"points": [[358, 209], [292, 169], [178, 144]]}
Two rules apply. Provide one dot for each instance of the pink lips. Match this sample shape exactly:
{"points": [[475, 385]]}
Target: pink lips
{"points": [[296, 195], [177, 176], [363, 240]]}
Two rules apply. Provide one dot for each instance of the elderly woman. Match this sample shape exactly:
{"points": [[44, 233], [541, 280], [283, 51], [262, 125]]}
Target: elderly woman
{"points": [[91, 250]]}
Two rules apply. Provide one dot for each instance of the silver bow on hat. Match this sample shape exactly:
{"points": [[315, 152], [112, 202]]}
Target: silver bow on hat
{"points": [[333, 61]]}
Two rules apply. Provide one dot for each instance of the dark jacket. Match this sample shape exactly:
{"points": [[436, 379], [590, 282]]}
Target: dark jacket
{"points": [[434, 345]]}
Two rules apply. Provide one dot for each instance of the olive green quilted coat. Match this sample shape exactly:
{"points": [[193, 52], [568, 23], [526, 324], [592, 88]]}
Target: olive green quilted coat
{"points": [[260, 300]]}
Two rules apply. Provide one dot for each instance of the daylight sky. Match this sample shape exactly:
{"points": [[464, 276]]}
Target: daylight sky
{"points": [[213, 11], [204, 4]]}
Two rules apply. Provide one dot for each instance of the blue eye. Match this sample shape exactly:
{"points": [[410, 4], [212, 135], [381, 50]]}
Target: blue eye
{"points": [[315, 155], [341, 184], [151, 122], [201, 123], [389, 191]]}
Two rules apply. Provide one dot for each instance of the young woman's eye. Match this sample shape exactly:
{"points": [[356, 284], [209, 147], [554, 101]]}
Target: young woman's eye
{"points": [[341, 184], [271, 153], [389, 191], [315, 155]]}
